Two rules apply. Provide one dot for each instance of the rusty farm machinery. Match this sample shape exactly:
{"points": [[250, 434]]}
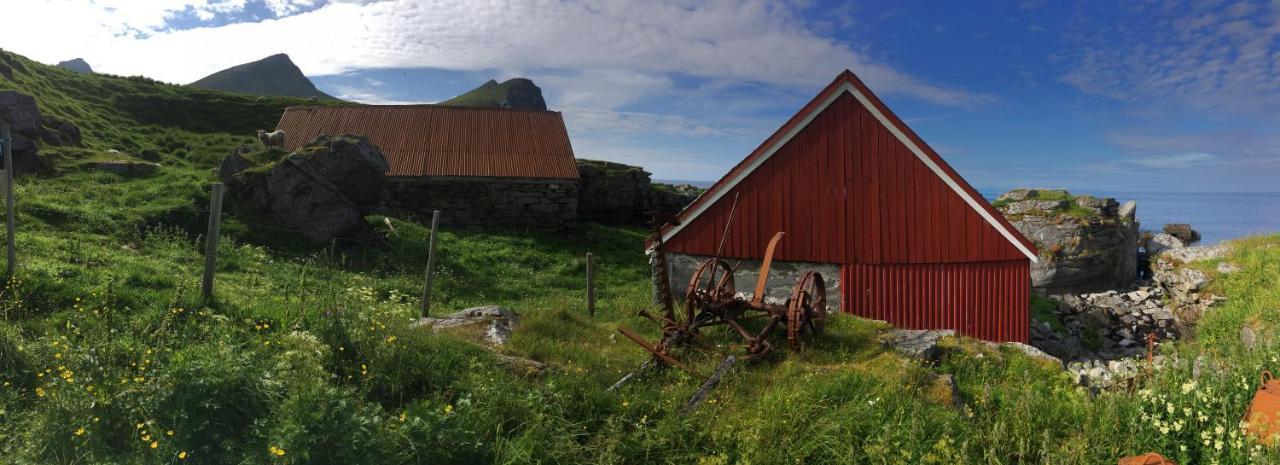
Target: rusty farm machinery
{"points": [[711, 299]]}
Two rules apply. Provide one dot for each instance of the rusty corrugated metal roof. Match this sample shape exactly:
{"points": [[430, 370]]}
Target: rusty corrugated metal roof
{"points": [[437, 140]]}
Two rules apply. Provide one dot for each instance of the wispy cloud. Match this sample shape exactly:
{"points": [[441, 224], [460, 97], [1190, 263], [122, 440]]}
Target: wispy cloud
{"points": [[1199, 56], [1167, 162], [745, 40]]}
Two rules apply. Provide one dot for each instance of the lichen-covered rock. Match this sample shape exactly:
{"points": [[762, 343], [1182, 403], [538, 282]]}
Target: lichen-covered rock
{"points": [[1085, 244], [321, 191], [492, 323]]}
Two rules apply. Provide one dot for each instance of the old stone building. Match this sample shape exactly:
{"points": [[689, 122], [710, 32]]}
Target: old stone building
{"points": [[480, 166]]}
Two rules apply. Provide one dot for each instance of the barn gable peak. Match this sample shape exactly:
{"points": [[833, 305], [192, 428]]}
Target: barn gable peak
{"points": [[848, 83]]}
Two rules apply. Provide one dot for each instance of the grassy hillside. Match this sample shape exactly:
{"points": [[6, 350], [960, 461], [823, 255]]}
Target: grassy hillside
{"points": [[275, 75], [513, 93], [308, 356]]}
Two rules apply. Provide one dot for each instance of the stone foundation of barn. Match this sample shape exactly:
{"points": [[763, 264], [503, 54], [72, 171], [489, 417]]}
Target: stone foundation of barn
{"points": [[782, 277], [486, 202]]}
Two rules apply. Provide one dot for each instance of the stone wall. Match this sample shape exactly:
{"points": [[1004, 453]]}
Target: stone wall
{"points": [[782, 278], [615, 193], [486, 202]]}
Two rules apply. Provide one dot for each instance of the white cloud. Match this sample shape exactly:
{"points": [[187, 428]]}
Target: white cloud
{"points": [[741, 40], [1177, 161], [1204, 57]]}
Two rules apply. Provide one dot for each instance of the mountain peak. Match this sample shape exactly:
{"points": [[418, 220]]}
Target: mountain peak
{"points": [[520, 93], [275, 75], [76, 64]]}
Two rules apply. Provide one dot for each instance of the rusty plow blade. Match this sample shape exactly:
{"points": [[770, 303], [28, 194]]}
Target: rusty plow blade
{"points": [[657, 351]]}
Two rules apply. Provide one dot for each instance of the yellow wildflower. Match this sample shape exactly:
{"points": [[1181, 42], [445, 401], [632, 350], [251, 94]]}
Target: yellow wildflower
{"points": [[169, 433], [182, 455], [155, 444], [80, 431]]}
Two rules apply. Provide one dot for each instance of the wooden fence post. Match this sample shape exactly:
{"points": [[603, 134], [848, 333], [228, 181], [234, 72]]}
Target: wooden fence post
{"points": [[10, 223], [431, 259], [211, 240], [591, 285]]}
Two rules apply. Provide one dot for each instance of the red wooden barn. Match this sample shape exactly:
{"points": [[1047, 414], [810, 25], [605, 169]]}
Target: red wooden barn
{"points": [[862, 196]]}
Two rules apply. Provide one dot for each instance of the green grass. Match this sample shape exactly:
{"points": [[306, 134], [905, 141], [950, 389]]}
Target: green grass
{"points": [[107, 354], [491, 94], [1071, 208], [1046, 310]]}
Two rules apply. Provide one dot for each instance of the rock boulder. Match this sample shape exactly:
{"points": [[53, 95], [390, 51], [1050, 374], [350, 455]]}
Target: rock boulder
{"points": [[321, 191], [1162, 242], [1183, 232]]}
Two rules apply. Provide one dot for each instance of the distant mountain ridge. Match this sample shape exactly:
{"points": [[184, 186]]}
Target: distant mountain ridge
{"points": [[274, 76], [76, 64], [519, 93]]}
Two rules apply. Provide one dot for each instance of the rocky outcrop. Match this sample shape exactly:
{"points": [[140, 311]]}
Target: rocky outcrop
{"points": [[30, 128], [1086, 244], [615, 193], [59, 132], [321, 191], [76, 64], [517, 93]]}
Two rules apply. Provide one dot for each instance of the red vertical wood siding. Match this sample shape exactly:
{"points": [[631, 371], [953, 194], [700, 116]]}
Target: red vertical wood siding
{"points": [[896, 209], [847, 191], [986, 300]]}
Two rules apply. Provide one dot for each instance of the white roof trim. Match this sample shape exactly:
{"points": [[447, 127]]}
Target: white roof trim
{"points": [[915, 149]]}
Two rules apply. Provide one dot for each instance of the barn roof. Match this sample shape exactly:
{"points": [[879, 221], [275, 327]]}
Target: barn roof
{"points": [[849, 83], [437, 140]]}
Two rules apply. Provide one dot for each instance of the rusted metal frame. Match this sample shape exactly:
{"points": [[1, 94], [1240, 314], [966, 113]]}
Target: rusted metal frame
{"points": [[656, 352], [724, 236], [764, 268]]}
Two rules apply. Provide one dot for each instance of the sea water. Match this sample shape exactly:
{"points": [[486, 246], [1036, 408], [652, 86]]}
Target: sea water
{"points": [[1217, 215]]}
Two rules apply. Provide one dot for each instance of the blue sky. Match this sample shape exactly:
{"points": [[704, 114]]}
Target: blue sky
{"points": [[1096, 96]]}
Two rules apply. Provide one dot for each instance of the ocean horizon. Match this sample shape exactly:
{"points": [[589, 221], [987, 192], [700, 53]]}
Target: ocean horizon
{"points": [[1218, 216]]}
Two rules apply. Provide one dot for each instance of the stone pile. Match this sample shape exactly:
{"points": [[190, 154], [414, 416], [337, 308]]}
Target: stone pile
{"points": [[1117, 322], [1120, 321]]}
